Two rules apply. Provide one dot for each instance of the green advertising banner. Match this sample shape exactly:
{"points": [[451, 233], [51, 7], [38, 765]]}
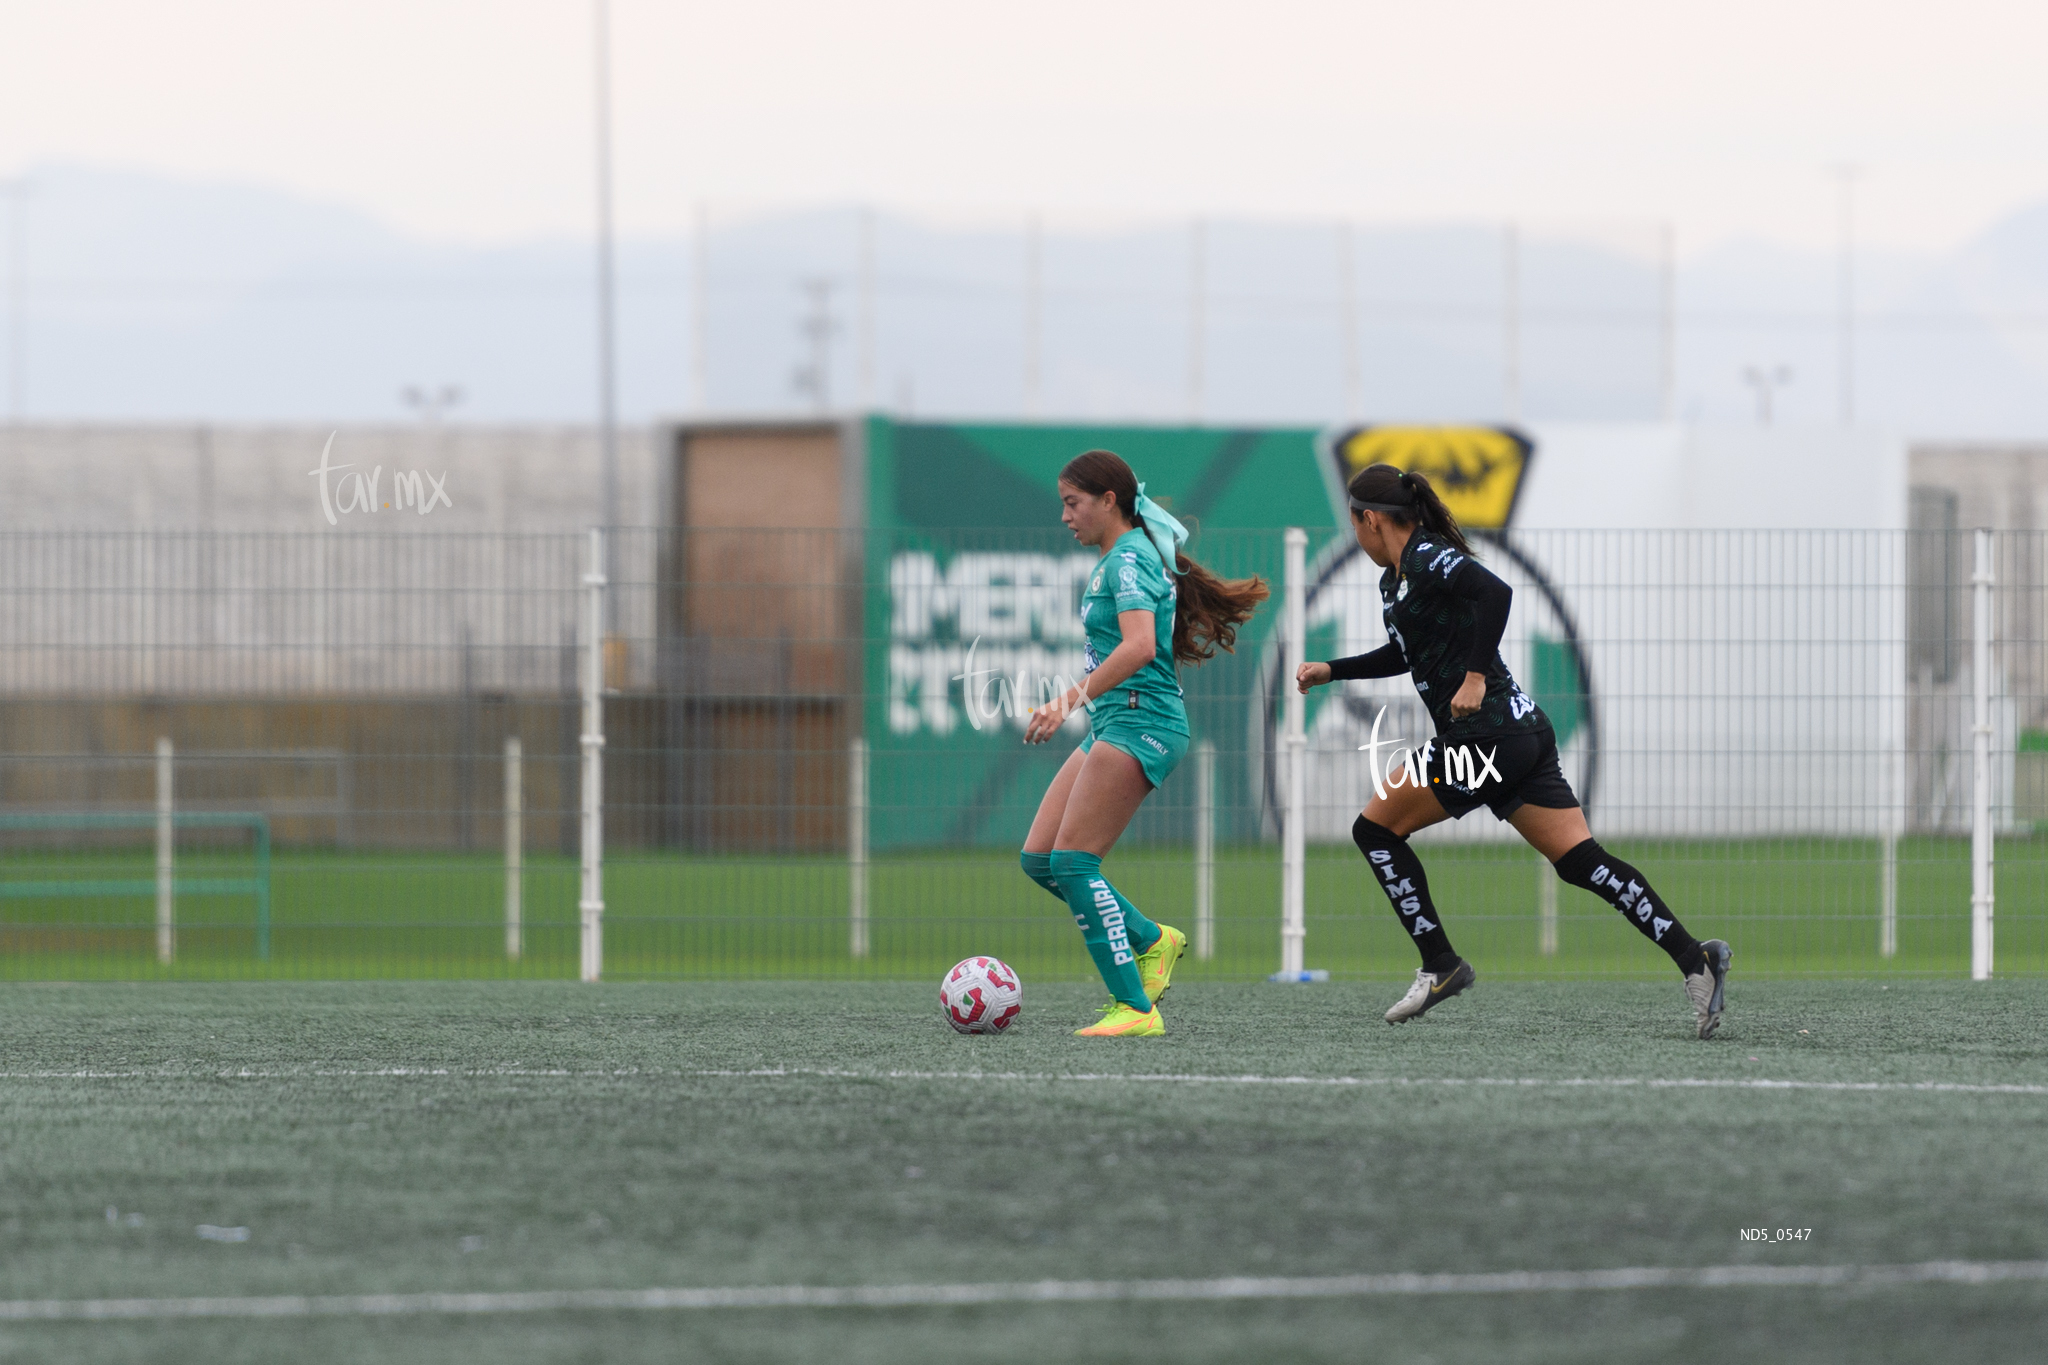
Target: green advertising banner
{"points": [[973, 599], [973, 592]]}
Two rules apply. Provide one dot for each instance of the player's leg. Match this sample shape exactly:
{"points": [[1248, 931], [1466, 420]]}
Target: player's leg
{"points": [[1381, 833], [1105, 795], [1561, 835], [1045, 826]]}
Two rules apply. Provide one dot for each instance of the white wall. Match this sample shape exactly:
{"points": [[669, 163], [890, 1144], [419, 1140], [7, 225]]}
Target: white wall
{"points": [[1618, 476]]}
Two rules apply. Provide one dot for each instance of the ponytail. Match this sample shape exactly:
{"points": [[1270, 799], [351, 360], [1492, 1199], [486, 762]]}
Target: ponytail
{"points": [[1210, 609], [1207, 609], [1406, 496]]}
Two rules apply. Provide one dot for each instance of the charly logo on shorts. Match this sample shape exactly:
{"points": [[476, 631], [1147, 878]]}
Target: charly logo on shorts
{"points": [[1154, 743]]}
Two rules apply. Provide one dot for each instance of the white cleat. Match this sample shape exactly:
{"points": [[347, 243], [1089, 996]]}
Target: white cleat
{"points": [[1705, 987], [1431, 990]]}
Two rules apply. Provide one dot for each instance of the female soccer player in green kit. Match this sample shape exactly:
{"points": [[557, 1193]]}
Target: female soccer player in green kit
{"points": [[1445, 614], [1147, 608]]}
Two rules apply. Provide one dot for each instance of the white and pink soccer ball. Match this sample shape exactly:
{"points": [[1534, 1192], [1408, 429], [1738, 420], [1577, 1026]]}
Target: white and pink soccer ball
{"points": [[981, 995]]}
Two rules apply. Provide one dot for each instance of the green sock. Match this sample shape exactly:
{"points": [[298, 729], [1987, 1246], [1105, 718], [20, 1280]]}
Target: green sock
{"points": [[1100, 913], [1038, 867], [1144, 933]]}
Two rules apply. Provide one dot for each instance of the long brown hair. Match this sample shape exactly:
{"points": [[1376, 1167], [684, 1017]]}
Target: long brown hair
{"points": [[1208, 609], [1406, 496]]}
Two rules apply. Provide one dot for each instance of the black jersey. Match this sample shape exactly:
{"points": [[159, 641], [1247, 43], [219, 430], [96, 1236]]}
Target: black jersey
{"points": [[1434, 629]]}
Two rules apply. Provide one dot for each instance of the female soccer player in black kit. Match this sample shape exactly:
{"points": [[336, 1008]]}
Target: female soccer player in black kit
{"points": [[1445, 614]]}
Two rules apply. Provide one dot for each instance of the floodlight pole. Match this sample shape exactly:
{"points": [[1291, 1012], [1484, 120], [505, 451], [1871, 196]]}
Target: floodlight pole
{"points": [[864, 318], [607, 387], [1667, 377], [1511, 321], [1198, 289], [1347, 323], [1034, 318], [1846, 302], [17, 300], [700, 307]]}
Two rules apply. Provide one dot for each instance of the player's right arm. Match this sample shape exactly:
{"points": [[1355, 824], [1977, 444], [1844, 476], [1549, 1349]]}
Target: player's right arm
{"points": [[1385, 662], [1138, 648]]}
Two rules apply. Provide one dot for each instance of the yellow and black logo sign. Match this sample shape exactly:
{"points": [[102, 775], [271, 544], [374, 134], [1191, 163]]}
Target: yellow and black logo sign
{"points": [[1477, 471]]}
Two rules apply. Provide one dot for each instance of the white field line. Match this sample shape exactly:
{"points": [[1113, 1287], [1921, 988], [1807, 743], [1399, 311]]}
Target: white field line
{"points": [[1054, 1077], [1029, 1292]]}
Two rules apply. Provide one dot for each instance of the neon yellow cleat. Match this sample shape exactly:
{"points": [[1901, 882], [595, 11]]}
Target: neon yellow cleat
{"points": [[1155, 964], [1121, 1021]]}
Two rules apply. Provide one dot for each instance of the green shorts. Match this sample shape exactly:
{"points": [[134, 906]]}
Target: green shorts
{"points": [[1158, 748]]}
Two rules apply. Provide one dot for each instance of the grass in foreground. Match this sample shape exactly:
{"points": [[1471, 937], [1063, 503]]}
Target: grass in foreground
{"points": [[382, 1145]]}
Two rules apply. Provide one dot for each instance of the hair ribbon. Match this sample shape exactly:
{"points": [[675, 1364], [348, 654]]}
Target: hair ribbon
{"points": [[1162, 529]]}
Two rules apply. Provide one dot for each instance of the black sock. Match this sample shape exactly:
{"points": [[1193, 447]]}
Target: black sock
{"points": [[1596, 870], [1399, 873]]}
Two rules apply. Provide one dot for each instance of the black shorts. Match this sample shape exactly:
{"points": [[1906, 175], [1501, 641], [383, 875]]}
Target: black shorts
{"points": [[1502, 774]]}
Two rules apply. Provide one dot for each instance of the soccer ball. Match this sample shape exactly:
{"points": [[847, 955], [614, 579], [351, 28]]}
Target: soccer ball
{"points": [[981, 995]]}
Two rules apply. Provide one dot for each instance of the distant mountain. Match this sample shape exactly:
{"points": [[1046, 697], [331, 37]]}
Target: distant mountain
{"points": [[157, 299]]}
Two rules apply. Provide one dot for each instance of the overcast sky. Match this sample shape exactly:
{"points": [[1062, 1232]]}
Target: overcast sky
{"points": [[472, 121]]}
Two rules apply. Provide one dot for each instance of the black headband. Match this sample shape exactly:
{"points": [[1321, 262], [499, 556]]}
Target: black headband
{"points": [[1407, 482]]}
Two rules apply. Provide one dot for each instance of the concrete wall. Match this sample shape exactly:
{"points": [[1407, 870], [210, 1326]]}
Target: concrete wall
{"points": [[2003, 486]]}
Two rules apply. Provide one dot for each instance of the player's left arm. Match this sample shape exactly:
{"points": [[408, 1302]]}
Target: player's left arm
{"points": [[1471, 581]]}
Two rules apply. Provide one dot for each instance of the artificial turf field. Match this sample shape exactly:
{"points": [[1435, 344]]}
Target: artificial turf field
{"points": [[1793, 907], [518, 1136]]}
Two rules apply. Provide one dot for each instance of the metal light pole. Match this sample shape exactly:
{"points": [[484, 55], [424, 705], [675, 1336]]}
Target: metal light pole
{"points": [[864, 319], [17, 299], [1511, 322], [1846, 302], [1766, 382], [1198, 288], [431, 404], [1347, 323], [607, 390], [1034, 317], [817, 326], [1667, 377], [700, 312]]}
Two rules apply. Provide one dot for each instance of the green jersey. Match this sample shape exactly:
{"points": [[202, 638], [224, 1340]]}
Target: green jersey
{"points": [[1132, 578]]}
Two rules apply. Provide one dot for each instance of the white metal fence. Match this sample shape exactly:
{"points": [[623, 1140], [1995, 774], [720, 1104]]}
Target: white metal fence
{"points": [[1812, 725]]}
